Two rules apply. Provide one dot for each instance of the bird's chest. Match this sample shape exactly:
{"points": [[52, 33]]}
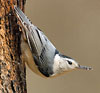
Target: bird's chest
{"points": [[59, 65]]}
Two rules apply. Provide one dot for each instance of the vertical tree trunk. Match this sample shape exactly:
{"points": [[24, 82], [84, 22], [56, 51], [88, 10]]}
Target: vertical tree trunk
{"points": [[12, 70]]}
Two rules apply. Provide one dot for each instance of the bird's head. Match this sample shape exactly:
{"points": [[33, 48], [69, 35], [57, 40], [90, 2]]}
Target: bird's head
{"points": [[72, 64], [64, 63]]}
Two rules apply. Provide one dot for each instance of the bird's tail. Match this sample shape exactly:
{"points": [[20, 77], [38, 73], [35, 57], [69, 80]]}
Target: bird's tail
{"points": [[22, 17], [30, 32]]}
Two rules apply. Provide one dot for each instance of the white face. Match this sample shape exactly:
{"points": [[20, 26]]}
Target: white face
{"points": [[63, 64], [71, 64]]}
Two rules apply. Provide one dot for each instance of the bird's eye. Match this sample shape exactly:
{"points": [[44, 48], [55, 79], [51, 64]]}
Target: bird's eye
{"points": [[69, 62]]}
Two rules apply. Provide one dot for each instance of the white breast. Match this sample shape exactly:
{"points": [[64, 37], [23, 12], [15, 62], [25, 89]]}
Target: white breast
{"points": [[59, 66]]}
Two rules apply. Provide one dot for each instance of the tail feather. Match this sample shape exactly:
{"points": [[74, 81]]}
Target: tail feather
{"points": [[21, 16], [31, 32]]}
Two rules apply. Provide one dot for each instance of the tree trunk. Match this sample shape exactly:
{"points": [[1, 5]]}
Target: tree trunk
{"points": [[12, 69]]}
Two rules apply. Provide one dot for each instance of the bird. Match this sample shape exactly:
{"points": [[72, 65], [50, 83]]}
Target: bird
{"points": [[39, 53]]}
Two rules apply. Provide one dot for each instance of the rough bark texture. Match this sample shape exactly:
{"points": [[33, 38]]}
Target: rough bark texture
{"points": [[12, 70]]}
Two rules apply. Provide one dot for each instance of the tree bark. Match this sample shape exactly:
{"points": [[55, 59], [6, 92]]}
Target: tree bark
{"points": [[12, 69]]}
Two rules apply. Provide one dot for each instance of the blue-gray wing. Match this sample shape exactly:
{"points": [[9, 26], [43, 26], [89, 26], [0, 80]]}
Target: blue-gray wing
{"points": [[39, 43], [42, 49]]}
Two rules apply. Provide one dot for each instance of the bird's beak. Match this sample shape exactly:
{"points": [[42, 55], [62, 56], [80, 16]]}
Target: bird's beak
{"points": [[84, 67]]}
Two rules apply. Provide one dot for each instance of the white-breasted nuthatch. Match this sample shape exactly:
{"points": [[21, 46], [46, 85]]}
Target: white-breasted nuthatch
{"points": [[40, 54]]}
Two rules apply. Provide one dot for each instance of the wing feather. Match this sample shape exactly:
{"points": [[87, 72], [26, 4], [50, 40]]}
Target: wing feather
{"points": [[36, 39]]}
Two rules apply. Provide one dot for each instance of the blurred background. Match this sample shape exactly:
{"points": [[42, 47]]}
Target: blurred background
{"points": [[73, 26]]}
